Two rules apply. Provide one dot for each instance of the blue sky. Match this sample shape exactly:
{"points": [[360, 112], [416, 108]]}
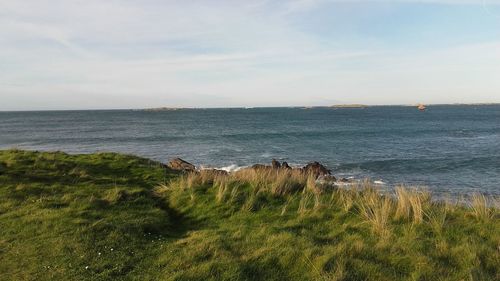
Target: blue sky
{"points": [[63, 54]]}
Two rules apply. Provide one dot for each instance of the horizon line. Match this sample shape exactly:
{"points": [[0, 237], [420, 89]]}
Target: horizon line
{"points": [[173, 108]]}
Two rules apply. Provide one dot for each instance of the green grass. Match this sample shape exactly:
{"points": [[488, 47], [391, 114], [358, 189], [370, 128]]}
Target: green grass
{"points": [[115, 217]]}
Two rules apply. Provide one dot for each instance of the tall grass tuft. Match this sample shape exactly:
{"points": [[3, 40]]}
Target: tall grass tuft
{"points": [[403, 206], [345, 198], [410, 204], [377, 210], [233, 197], [281, 184], [250, 202], [221, 183], [311, 184], [289, 200], [416, 202], [192, 180], [437, 218], [207, 177], [305, 200], [479, 207]]}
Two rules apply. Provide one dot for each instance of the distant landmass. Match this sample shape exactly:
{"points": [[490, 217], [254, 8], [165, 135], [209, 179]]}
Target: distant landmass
{"points": [[162, 109], [354, 105], [349, 106]]}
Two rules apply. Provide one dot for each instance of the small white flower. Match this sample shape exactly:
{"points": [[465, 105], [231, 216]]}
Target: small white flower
{"points": [[87, 267], [111, 249]]}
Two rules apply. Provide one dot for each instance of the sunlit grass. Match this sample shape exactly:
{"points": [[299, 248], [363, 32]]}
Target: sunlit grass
{"points": [[411, 203], [377, 211], [480, 207], [116, 217]]}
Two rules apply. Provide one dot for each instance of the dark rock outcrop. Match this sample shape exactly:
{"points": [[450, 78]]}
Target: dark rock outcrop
{"points": [[316, 169], [181, 165], [275, 164]]}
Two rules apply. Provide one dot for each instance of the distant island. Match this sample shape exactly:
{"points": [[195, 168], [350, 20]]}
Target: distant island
{"points": [[335, 106], [162, 109], [349, 106]]}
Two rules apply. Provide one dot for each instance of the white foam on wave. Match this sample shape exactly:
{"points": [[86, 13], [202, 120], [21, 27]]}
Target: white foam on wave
{"points": [[231, 168]]}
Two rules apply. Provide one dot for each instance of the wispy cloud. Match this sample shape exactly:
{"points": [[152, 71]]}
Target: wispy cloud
{"points": [[116, 54]]}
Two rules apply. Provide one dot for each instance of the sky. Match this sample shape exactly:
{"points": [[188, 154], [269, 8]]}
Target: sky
{"points": [[94, 54]]}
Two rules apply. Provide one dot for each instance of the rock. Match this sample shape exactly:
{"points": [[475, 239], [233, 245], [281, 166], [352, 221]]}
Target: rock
{"points": [[326, 181], [345, 180], [180, 165], [216, 172], [327, 178], [260, 167], [316, 169], [275, 164]]}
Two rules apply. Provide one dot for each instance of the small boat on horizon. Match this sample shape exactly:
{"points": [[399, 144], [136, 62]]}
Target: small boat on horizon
{"points": [[421, 107]]}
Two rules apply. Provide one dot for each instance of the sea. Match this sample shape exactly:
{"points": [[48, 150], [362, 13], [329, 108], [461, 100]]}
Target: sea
{"points": [[448, 149]]}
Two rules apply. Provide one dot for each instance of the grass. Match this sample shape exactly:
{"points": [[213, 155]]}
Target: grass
{"points": [[115, 217]]}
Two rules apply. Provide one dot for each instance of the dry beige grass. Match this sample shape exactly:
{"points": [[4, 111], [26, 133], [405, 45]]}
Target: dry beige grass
{"points": [[377, 210], [305, 200], [409, 204], [221, 183], [193, 180], [277, 182], [345, 198], [403, 206], [437, 219], [479, 206]]}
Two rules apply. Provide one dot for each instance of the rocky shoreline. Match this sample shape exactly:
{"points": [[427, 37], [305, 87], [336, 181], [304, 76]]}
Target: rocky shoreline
{"points": [[320, 172]]}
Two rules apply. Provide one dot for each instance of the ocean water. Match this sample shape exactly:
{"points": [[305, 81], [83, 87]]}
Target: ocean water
{"points": [[450, 149]]}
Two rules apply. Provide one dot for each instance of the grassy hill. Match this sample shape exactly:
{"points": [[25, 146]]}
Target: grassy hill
{"points": [[115, 217]]}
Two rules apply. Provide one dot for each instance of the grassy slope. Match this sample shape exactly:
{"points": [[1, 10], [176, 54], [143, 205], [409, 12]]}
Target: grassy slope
{"points": [[58, 212]]}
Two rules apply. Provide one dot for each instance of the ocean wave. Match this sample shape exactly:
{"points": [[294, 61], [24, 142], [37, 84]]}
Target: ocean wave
{"points": [[412, 165], [230, 168]]}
